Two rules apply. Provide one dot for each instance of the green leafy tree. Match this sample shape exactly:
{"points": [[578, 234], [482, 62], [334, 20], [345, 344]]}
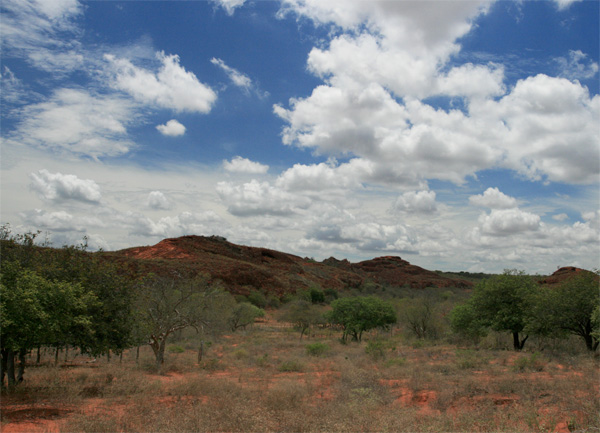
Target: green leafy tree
{"points": [[303, 314], [502, 303], [359, 314], [422, 317], [175, 303], [568, 309], [244, 314], [37, 312]]}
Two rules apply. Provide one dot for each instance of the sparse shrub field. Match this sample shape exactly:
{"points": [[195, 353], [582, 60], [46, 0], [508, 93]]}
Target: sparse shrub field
{"points": [[266, 379]]}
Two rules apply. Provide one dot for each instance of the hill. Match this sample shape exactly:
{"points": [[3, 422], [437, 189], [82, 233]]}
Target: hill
{"points": [[243, 268]]}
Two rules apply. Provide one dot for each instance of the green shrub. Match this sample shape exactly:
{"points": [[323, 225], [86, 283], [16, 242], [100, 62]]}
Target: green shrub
{"points": [[175, 349], [263, 360], [316, 349], [531, 362], [316, 295], [257, 299], [240, 354], [291, 365], [395, 362], [376, 349]]}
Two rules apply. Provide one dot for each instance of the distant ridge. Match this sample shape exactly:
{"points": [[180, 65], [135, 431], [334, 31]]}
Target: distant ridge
{"points": [[243, 268]]}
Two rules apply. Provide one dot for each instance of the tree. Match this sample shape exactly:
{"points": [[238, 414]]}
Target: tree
{"points": [[568, 309], [244, 314], [169, 304], [421, 316], [502, 303], [36, 312], [359, 314], [303, 314]]}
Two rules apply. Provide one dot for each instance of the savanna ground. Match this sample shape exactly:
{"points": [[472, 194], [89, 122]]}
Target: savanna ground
{"points": [[265, 379]]}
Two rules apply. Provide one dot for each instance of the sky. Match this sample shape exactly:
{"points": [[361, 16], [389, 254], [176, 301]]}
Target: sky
{"points": [[458, 135]]}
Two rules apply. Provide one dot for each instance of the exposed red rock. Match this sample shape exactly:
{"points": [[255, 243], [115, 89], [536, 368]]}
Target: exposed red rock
{"points": [[243, 268], [561, 275]]}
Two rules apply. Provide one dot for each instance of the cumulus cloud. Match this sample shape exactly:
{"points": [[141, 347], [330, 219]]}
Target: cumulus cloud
{"points": [[244, 165], [59, 187], [186, 223], [230, 5], [157, 200], [379, 76], [505, 222], [494, 199], [416, 202], [259, 198], [79, 122], [171, 86], [172, 128], [564, 4], [560, 217]]}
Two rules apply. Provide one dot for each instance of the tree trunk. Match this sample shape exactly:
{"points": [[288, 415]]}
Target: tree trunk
{"points": [[66, 353], [200, 351], [108, 356], [21, 370], [137, 355], [56, 355], [10, 368], [590, 342], [518, 344], [3, 366], [39, 355], [121, 357]]}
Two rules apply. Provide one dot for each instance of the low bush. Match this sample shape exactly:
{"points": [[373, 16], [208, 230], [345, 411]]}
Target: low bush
{"points": [[316, 349]]}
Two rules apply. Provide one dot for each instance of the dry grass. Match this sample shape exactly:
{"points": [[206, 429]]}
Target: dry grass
{"points": [[264, 380]]}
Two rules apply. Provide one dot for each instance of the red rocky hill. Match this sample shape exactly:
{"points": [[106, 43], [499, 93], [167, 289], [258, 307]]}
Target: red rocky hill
{"points": [[243, 268]]}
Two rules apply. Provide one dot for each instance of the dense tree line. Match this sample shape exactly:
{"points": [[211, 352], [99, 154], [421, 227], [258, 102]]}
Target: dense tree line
{"points": [[515, 303]]}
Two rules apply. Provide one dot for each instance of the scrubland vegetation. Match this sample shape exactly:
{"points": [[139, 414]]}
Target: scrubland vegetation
{"points": [[192, 357]]}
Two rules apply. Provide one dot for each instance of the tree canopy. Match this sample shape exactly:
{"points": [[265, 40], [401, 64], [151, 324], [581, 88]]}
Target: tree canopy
{"points": [[359, 314]]}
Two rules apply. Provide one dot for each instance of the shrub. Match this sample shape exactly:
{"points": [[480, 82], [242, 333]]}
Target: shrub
{"points": [[175, 349], [531, 362], [316, 349], [316, 295], [257, 299], [291, 365], [375, 349]]}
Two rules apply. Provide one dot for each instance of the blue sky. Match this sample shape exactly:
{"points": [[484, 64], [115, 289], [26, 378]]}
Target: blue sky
{"points": [[457, 135]]}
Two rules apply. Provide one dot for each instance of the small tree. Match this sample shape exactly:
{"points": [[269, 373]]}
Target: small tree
{"points": [[502, 303], [244, 314], [303, 314], [359, 314], [568, 309], [175, 303]]}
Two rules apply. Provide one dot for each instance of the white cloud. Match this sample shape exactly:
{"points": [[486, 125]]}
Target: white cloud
{"points": [[259, 198], [186, 223], [237, 78], [230, 5], [172, 128], [557, 120], [244, 165], [59, 187], [578, 66], [157, 200], [320, 177], [506, 222], [560, 217], [494, 199], [564, 4], [170, 87], [78, 122], [416, 202], [35, 30]]}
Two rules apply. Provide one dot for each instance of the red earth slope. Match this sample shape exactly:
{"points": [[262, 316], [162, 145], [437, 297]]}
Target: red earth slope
{"points": [[243, 268]]}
